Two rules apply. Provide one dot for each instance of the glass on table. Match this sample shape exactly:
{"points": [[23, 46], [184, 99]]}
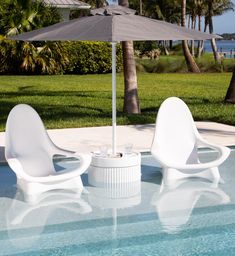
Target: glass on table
{"points": [[104, 151], [128, 148]]}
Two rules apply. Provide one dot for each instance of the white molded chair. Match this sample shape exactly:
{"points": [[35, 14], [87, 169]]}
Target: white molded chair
{"points": [[176, 141], [29, 152]]}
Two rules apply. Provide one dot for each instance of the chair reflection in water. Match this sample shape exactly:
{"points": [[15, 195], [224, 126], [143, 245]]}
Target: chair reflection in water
{"points": [[174, 204], [29, 220]]}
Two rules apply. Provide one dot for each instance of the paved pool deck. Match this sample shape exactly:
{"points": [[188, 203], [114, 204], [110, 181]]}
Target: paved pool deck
{"points": [[90, 139]]}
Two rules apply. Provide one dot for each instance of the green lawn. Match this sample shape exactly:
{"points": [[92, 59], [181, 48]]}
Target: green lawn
{"points": [[77, 101]]}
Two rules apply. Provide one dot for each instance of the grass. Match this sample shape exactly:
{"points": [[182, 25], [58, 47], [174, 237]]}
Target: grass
{"points": [[79, 101]]}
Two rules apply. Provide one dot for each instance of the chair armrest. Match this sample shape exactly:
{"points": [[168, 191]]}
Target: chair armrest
{"points": [[223, 155], [223, 151], [85, 160]]}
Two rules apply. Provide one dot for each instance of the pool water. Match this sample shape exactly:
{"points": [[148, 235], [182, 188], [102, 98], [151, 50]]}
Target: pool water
{"points": [[191, 217]]}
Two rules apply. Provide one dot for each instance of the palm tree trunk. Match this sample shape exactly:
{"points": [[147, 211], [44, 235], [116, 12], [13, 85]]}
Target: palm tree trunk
{"points": [[215, 51], [166, 52], [230, 96], [189, 19], [192, 42], [131, 100], [191, 64], [141, 7], [213, 42]]}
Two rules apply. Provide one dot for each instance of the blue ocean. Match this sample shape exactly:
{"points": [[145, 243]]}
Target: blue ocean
{"points": [[227, 46]]}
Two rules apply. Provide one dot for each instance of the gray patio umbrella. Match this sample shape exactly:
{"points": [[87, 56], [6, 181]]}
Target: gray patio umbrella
{"points": [[113, 24]]}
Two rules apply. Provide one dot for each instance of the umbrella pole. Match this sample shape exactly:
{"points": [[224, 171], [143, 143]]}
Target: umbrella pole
{"points": [[114, 98]]}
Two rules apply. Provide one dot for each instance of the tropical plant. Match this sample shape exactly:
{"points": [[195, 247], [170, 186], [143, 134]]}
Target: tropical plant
{"points": [[19, 16], [24, 15]]}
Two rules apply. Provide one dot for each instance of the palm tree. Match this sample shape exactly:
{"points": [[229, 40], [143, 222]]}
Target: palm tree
{"points": [[167, 10], [200, 11], [216, 8], [192, 65], [131, 100], [191, 4]]}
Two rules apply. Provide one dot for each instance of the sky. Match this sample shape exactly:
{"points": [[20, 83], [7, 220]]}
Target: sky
{"points": [[225, 23]]}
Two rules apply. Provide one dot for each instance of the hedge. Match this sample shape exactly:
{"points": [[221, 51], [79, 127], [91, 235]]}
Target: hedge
{"points": [[91, 57]]}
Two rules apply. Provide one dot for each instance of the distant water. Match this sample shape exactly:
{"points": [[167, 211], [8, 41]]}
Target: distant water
{"points": [[223, 46]]}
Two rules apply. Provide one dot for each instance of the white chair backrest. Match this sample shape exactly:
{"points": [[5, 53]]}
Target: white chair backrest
{"points": [[175, 133], [28, 141]]}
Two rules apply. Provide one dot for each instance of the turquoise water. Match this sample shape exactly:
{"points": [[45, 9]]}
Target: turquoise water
{"points": [[193, 217]]}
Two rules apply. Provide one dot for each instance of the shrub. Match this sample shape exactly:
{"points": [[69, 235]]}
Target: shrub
{"points": [[165, 64], [91, 57], [176, 64]]}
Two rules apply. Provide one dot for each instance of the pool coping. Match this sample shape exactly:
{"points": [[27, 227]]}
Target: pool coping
{"points": [[91, 138]]}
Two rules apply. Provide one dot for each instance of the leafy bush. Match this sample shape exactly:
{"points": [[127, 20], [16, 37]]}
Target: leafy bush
{"points": [[91, 57]]}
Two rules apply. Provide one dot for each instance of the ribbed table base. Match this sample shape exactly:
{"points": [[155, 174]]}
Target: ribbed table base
{"points": [[115, 172]]}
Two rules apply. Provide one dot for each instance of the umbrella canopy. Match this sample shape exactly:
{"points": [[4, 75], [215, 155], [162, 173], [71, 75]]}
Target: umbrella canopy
{"points": [[113, 24]]}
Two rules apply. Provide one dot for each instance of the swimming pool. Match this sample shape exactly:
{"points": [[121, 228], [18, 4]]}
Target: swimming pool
{"points": [[193, 217]]}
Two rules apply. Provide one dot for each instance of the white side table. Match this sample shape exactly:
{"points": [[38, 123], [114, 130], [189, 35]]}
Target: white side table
{"points": [[114, 171]]}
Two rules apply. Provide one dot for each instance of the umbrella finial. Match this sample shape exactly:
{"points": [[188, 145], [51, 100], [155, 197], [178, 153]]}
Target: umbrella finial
{"points": [[113, 9]]}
